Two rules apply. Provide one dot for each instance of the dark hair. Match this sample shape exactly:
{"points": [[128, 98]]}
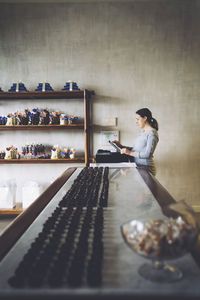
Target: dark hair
{"points": [[145, 112]]}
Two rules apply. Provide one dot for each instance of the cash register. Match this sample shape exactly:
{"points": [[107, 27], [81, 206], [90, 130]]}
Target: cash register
{"points": [[107, 156]]}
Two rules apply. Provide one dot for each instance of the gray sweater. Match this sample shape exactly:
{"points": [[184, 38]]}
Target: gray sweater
{"points": [[144, 148]]}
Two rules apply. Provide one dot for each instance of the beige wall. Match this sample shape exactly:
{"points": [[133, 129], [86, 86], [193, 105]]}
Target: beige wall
{"points": [[133, 54]]}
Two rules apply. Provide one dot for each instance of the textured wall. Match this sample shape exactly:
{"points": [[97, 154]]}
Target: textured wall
{"points": [[134, 55]]}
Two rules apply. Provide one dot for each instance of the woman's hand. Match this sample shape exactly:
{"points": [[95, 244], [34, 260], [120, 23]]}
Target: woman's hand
{"points": [[127, 152], [117, 143]]}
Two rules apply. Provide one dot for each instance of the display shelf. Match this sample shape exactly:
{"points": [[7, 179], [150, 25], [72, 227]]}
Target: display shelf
{"points": [[85, 95], [41, 161], [16, 210], [41, 127], [45, 95]]}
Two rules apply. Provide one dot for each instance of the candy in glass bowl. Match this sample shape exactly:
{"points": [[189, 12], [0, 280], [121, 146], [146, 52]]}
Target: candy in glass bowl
{"points": [[163, 239]]}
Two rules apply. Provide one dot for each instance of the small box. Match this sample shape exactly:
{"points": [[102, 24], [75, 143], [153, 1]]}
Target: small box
{"points": [[30, 192], [8, 194]]}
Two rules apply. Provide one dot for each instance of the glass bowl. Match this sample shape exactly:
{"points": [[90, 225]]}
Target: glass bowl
{"points": [[163, 239]]}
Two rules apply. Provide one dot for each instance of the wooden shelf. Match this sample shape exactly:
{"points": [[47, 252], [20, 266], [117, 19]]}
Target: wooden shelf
{"points": [[42, 161], [12, 211], [45, 161], [8, 211], [45, 95], [41, 127], [85, 95]]}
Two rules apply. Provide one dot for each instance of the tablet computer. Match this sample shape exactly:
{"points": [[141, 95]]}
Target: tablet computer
{"points": [[115, 146]]}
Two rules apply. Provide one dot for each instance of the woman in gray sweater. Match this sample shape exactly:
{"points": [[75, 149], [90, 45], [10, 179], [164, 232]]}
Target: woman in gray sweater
{"points": [[146, 142]]}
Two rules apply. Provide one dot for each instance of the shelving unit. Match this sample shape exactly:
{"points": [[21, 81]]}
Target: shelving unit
{"points": [[85, 95], [42, 161], [85, 126]]}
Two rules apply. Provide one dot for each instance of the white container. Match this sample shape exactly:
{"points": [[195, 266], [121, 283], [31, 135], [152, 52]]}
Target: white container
{"points": [[56, 153], [63, 121], [72, 154], [10, 154], [9, 121], [8, 194], [31, 190]]}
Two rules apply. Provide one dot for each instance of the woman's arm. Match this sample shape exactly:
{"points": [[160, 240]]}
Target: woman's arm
{"points": [[127, 152], [149, 149], [120, 145]]}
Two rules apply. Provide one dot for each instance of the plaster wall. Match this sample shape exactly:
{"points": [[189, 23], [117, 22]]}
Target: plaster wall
{"points": [[133, 54]]}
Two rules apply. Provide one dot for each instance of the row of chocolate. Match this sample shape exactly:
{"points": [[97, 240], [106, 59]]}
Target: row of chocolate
{"points": [[37, 151], [43, 87], [37, 117]]}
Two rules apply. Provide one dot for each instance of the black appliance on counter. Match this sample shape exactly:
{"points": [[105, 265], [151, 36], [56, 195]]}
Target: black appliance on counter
{"points": [[107, 156]]}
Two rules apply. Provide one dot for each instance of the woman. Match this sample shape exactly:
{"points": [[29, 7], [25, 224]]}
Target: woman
{"points": [[146, 142]]}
